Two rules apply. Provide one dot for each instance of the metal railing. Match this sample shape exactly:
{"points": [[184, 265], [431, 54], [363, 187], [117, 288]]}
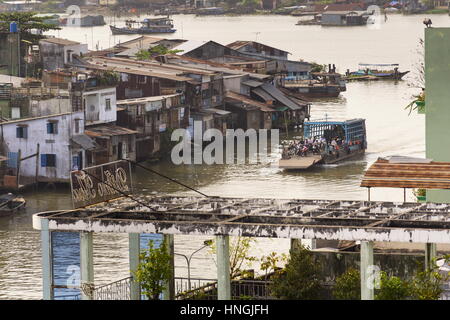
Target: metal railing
{"points": [[118, 290], [206, 289]]}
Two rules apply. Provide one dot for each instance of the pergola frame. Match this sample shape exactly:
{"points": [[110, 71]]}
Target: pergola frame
{"points": [[364, 221]]}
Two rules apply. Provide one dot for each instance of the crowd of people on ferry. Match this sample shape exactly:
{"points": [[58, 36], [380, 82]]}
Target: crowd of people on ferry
{"points": [[316, 145]]}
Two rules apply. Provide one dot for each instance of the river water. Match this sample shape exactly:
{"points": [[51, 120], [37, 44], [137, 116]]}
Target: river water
{"points": [[390, 131]]}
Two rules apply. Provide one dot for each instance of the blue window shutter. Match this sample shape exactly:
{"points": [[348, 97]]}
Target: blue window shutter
{"points": [[49, 127], [12, 159], [43, 160], [18, 135], [55, 128]]}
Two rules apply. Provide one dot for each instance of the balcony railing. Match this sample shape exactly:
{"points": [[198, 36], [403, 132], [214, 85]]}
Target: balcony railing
{"points": [[92, 116]]}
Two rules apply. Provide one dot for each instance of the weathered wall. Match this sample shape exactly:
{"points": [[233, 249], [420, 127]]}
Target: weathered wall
{"points": [[58, 144], [437, 118], [336, 263]]}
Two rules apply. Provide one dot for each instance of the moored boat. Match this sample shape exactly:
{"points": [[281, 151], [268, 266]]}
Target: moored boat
{"points": [[368, 71], [147, 26], [325, 142], [10, 204]]}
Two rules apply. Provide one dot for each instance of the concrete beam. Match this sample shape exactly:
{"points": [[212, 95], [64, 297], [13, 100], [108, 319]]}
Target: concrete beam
{"points": [[87, 265], [47, 261], [169, 291], [223, 268], [133, 254], [349, 233], [367, 269], [430, 255]]}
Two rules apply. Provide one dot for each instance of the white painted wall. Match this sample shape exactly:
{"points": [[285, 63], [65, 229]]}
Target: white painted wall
{"points": [[95, 102], [58, 144]]}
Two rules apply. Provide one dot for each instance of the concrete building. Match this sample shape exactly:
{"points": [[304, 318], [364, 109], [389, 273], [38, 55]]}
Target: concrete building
{"points": [[99, 105], [151, 117], [49, 145], [56, 53]]}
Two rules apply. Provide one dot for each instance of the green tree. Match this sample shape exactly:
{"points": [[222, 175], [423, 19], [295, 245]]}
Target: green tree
{"points": [[392, 288], [26, 22], [269, 263], [348, 285], [240, 258], [158, 50], [154, 270], [301, 279], [427, 284]]}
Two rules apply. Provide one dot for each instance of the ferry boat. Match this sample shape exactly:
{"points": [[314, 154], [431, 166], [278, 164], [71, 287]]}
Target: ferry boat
{"points": [[368, 71], [325, 142], [147, 26]]}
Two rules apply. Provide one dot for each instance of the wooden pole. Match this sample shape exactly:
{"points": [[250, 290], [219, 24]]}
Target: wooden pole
{"points": [[37, 165], [19, 157], [285, 122]]}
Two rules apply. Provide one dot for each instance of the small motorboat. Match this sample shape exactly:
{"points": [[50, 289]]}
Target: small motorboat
{"points": [[10, 204]]}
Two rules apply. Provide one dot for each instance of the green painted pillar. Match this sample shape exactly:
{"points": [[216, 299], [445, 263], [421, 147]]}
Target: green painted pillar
{"points": [[169, 291], [47, 261], [134, 246], [367, 268], [223, 268], [437, 100], [87, 265], [430, 254]]}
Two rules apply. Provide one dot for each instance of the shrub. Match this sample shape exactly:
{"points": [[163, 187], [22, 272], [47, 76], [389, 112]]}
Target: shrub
{"points": [[301, 279], [348, 285]]}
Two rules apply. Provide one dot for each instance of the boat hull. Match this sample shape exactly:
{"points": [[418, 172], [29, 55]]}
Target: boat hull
{"points": [[116, 30], [376, 76], [316, 92], [305, 163]]}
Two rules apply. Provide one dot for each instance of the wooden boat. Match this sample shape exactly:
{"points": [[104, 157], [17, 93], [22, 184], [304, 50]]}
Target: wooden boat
{"points": [[376, 71], [352, 133], [147, 26], [10, 204], [320, 85]]}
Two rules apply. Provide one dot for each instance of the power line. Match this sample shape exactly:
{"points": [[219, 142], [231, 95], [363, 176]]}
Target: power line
{"points": [[166, 177], [118, 190]]}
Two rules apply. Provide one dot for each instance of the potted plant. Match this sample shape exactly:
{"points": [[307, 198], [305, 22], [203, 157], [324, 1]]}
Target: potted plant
{"points": [[421, 194], [418, 103]]}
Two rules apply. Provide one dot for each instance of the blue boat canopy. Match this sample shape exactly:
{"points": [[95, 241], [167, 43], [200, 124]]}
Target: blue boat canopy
{"points": [[353, 130]]}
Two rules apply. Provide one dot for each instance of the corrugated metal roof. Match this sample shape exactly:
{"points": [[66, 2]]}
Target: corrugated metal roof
{"points": [[406, 174], [239, 97], [145, 99], [63, 42], [108, 131], [84, 141], [278, 95], [252, 83], [189, 46]]}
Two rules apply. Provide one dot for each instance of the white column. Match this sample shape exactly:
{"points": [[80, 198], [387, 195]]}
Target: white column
{"points": [[87, 263], [47, 261], [223, 268], [134, 245], [367, 268]]}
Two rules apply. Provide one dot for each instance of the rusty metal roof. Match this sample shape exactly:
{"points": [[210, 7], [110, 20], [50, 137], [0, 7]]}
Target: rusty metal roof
{"points": [[407, 173], [108, 130]]}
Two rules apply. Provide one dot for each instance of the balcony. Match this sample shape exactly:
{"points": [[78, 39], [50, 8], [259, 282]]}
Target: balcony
{"points": [[92, 116]]}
